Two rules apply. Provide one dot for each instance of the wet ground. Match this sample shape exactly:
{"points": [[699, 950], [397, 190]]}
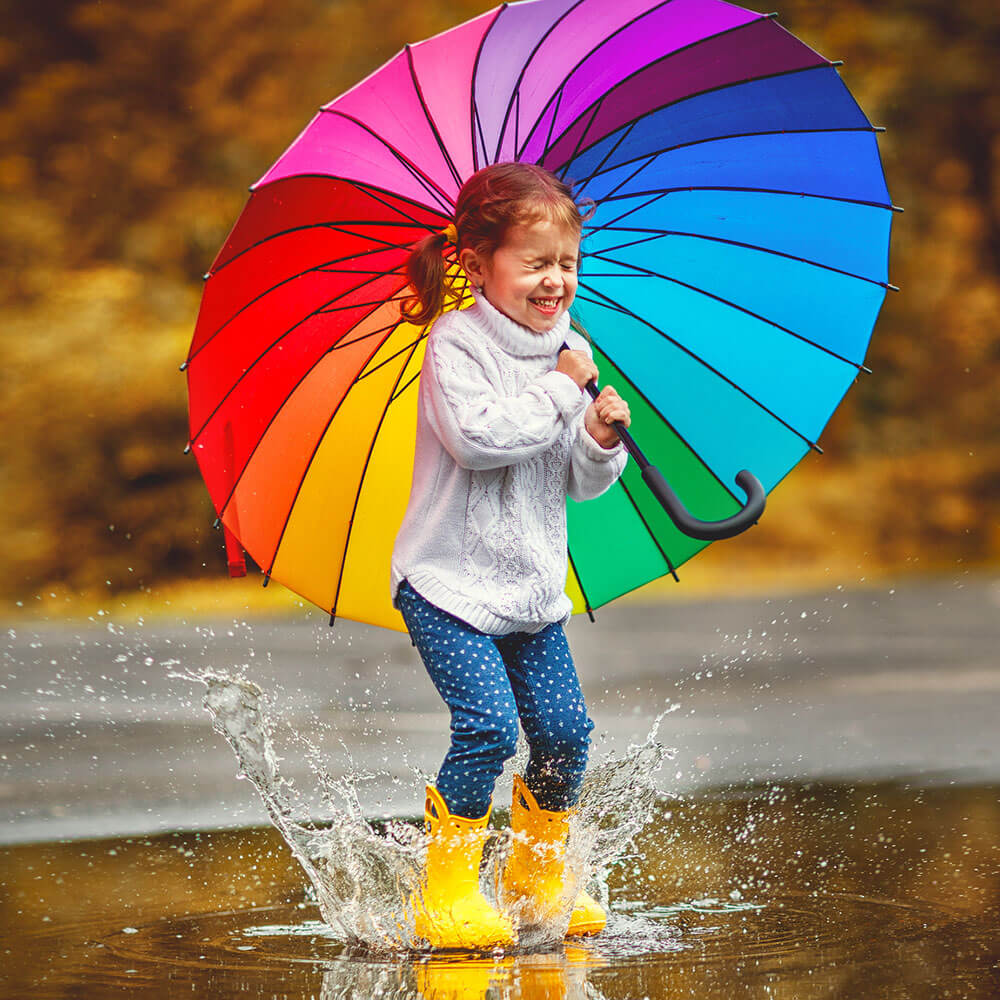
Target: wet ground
{"points": [[828, 827]]}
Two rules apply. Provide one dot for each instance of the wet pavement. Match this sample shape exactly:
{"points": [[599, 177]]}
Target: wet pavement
{"points": [[829, 824], [96, 737]]}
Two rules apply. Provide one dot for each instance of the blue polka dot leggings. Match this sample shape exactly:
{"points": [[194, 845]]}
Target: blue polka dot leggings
{"points": [[488, 681]]}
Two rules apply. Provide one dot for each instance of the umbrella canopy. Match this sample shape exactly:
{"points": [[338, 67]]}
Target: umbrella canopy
{"points": [[732, 273]]}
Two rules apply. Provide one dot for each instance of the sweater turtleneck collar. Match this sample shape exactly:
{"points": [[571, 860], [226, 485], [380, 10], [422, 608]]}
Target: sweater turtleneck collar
{"points": [[511, 336]]}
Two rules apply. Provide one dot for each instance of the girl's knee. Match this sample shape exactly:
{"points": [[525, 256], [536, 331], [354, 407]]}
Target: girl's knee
{"points": [[504, 738], [495, 736], [566, 736]]}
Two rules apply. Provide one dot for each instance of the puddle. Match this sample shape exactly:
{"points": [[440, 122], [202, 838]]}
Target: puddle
{"points": [[367, 880], [784, 891]]}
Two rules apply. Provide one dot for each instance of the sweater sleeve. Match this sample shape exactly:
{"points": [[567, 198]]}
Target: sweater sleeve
{"points": [[593, 469], [480, 427]]}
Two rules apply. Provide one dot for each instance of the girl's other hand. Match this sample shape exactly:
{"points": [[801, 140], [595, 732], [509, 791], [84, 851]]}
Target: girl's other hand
{"points": [[578, 366], [602, 413]]}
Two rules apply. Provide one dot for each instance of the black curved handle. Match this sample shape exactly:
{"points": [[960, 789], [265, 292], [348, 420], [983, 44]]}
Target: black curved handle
{"points": [[708, 531]]}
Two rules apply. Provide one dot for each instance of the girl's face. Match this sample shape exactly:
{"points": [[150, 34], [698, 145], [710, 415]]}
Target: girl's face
{"points": [[531, 278]]}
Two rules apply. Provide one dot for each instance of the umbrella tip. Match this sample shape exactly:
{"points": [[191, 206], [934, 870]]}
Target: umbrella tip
{"points": [[836, 62], [183, 367], [897, 208], [267, 579], [206, 276], [187, 448], [816, 448], [772, 13], [590, 615], [866, 369], [333, 619], [892, 288], [216, 524]]}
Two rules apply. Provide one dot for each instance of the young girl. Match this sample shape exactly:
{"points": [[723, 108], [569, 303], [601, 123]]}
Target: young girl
{"points": [[504, 433]]}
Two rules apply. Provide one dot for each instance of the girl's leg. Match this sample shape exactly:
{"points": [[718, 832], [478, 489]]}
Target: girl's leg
{"points": [[550, 702], [469, 674]]}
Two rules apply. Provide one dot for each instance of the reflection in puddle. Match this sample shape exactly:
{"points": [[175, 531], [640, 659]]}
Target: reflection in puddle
{"points": [[863, 891]]}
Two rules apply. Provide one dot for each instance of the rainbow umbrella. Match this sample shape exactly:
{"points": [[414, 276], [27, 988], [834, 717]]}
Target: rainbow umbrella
{"points": [[732, 274]]}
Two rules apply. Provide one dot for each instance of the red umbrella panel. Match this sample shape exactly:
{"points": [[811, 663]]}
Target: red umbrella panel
{"points": [[290, 386]]}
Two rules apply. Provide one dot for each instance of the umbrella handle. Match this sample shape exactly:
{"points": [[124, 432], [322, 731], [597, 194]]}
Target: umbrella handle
{"points": [[709, 531]]}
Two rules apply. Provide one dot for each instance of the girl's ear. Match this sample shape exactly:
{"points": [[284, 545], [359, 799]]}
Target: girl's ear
{"points": [[472, 264]]}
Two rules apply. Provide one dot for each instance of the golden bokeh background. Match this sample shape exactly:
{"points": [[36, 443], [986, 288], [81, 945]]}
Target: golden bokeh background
{"points": [[128, 136]]}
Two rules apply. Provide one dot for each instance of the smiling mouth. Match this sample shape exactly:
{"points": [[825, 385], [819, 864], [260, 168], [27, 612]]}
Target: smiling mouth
{"points": [[546, 305]]}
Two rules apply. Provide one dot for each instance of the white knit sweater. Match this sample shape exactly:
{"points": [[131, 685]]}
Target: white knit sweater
{"points": [[500, 444]]}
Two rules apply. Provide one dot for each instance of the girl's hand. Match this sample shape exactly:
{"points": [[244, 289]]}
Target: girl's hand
{"points": [[578, 366], [604, 411]]}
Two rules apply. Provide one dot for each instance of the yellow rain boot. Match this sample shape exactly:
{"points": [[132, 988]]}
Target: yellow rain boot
{"points": [[534, 877], [451, 911]]}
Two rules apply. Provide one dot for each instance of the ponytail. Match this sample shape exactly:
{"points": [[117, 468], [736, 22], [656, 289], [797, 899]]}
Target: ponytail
{"points": [[427, 270]]}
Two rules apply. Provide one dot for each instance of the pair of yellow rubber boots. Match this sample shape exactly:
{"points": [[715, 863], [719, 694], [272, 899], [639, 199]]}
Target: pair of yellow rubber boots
{"points": [[453, 913]]}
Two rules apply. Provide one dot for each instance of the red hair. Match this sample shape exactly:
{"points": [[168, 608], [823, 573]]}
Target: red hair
{"points": [[492, 201]]}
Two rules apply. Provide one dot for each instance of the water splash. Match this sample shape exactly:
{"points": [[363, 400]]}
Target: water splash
{"points": [[366, 880]]}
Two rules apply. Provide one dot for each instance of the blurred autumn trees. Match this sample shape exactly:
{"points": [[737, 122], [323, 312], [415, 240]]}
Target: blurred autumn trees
{"points": [[129, 133]]}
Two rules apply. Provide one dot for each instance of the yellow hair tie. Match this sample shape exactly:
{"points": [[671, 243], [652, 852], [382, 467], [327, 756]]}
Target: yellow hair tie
{"points": [[450, 233]]}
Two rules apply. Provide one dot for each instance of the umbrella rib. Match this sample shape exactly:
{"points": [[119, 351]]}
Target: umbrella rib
{"points": [[311, 315], [634, 388], [361, 480], [517, 115], [579, 580], [371, 190], [661, 233], [609, 305], [428, 184], [292, 277], [715, 371], [552, 123], [515, 93], [654, 153], [342, 343], [638, 208], [392, 357], [325, 310], [430, 119], [337, 227], [604, 40], [646, 273], [475, 124], [482, 136], [626, 132], [597, 107], [670, 566], [387, 330], [367, 189], [662, 192], [351, 270], [708, 90], [399, 392]]}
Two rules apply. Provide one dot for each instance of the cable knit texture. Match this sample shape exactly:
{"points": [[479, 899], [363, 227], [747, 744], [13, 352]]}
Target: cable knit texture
{"points": [[500, 444]]}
